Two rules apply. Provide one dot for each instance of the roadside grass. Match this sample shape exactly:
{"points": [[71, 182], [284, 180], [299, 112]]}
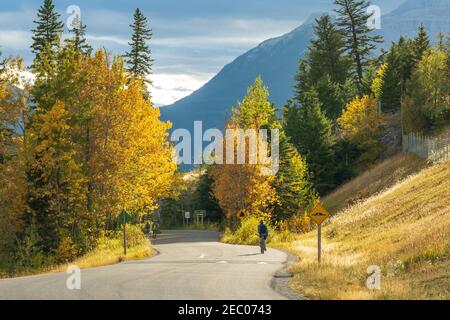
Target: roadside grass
{"points": [[379, 177], [405, 230], [109, 251]]}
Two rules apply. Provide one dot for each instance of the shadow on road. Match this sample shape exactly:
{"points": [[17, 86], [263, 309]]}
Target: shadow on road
{"points": [[249, 254], [183, 236]]}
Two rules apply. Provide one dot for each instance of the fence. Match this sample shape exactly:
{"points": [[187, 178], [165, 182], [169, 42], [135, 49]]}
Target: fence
{"points": [[433, 149]]}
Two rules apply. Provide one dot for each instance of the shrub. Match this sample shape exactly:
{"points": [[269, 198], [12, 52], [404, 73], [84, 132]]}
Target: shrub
{"points": [[246, 233], [135, 236], [66, 250], [299, 223]]}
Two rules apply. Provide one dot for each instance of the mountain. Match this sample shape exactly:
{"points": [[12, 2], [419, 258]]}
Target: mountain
{"points": [[276, 61]]}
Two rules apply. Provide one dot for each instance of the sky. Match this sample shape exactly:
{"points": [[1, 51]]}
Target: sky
{"points": [[192, 39]]}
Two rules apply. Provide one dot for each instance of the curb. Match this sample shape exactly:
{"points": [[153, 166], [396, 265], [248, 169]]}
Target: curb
{"points": [[281, 278]]}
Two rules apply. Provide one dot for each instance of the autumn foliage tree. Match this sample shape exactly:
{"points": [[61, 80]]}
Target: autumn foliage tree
{"points": [[243, 186], [427, 103], [361, 124], [92, 147], [14, 98]]}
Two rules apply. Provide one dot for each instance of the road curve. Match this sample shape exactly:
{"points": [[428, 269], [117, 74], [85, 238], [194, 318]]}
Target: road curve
{"points": [[190, 265]]}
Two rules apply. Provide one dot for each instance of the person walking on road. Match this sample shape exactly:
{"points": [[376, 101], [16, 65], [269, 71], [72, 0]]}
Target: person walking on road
{"points": [[155, 229], [263, 232], [148, 229]]}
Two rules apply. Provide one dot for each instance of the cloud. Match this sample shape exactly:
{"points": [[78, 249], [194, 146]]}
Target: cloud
{"points": [[15, 39], [168, 88], [107, 38]]}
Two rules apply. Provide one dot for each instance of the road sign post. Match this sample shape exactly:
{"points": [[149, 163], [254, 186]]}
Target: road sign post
{"points": [[199, 216], [124, 221], [123, 218], [187, 216], [318, 215], [319, 243]]}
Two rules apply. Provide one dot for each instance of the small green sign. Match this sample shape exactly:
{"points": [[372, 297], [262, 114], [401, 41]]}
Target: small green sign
{"points": [[128, 217]]}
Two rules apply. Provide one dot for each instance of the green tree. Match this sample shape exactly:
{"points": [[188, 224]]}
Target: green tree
{"points": [[48, 28], [78, 41], [292, 183], [325, 68], [311, 133], [325, 54], [204, 198], [421, 42], [426, 104], [255, 109], [139, 59], [352, 19], [400, 62]]}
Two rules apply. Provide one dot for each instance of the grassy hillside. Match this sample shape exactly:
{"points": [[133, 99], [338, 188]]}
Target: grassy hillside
{"points": [[405, 230], [381, 176]]}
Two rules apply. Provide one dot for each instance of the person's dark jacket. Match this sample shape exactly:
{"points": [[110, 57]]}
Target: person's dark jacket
{"points": [[262, 230]]}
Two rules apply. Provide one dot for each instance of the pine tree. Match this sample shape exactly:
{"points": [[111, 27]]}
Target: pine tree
{"points": [[204, 197], [400, 62], [79, 36], [325, 68], [421, 42], [352, 18], [293, 183], [325, 54], [139, 59], [311, 132], [48, 28]]}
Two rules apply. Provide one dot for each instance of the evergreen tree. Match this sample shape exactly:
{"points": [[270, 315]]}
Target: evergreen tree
{"points": [[139, 59], [311, 132], [325, 54], [293, 183], [421, 42], [48, 28], [204, 198], [325, 68], [352, 18], [78, 29], [400, 62]]}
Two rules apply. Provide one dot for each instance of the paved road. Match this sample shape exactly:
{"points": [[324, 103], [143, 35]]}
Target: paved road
{"points": [[190, 265]]}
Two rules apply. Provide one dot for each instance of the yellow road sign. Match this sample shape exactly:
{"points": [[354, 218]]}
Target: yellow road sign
{"points": [[319, 214], [241, 214]]}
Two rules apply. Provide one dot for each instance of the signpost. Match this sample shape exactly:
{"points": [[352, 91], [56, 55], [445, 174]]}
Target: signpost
{"points": [[318, 215], [124, 217], [241, 214], [199, 216], [187, 216]]}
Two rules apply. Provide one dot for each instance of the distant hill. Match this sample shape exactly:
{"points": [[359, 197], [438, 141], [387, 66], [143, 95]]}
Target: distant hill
{"points": [[275, 60]]}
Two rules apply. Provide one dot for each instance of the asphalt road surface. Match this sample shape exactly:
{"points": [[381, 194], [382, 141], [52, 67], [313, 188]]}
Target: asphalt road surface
{"points": [[190, 265]]}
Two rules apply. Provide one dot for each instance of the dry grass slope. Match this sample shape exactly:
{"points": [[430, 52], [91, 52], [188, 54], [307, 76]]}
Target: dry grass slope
{"points": [[405, 230], [379, 177]]}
